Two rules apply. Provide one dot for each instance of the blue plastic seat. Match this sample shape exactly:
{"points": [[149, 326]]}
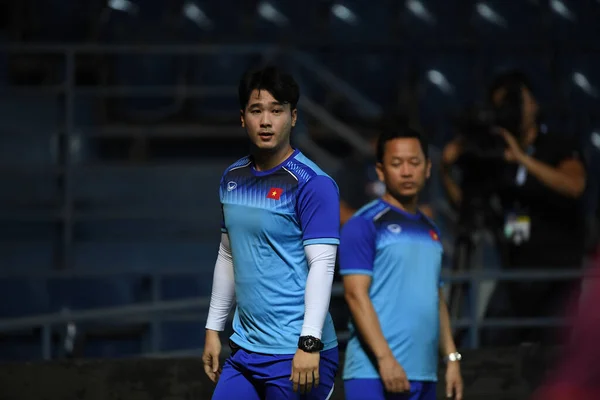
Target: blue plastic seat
{"points": [[220, 70], [182, 335], [96, 292], [580, 80], [23, 296], [497, 20], [362, 22], [150, 255], [189, 285], [434, 21], [448, 85], [574, 21], [378, 76]]}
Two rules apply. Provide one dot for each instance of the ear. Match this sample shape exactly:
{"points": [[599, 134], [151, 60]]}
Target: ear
{"points": [[294, 116], [428, 169], [379, 169], [242, 118]]}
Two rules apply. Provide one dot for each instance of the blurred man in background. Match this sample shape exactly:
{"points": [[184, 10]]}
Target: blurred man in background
{"points": [[540, 179], [391, 258], [357, 177]]}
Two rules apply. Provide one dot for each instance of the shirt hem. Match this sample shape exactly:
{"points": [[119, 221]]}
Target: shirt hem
{"points": [[421, 378]]}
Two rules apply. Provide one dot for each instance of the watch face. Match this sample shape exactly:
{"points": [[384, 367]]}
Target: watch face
{"points": [[309, 343]]}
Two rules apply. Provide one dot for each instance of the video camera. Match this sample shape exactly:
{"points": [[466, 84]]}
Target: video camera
{"points": [[482, 160]]}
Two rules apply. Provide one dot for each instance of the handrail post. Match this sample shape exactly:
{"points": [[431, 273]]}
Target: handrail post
{"points": [[474, 281], [46, 342], [155, 337], [67, 211]]}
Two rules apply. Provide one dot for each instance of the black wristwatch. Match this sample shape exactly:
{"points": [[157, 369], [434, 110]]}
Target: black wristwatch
{"points": [[310, 344]]}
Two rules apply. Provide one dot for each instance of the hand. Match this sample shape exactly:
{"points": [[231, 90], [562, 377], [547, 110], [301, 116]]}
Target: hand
{"points": [[393, 375], [210, 357], [305, 370], [451, 153], [454, 383], [514, 152]]}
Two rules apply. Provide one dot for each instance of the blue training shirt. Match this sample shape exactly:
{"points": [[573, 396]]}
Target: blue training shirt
{"points": [[402, 253], [270, 216]]}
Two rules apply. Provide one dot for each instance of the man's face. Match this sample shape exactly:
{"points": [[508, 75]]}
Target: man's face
{"points": [[404, 168], [267, 121], [529, 107]]}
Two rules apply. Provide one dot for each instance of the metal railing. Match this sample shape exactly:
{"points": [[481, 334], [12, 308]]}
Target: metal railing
{"points": [[156, 310]]}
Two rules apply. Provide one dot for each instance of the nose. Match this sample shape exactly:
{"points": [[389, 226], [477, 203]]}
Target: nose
{"points": [[265, 120], [406, 170]]}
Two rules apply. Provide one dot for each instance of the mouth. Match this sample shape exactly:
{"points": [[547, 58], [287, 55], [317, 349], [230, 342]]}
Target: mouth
{"points": [[265, 135], [408, 185]]}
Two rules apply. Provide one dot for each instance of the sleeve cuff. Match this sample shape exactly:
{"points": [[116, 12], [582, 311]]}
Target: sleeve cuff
{"points": [[321, 241], [356, 272]]}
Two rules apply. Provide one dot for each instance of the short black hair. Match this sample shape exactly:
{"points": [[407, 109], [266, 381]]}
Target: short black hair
{"points": [[280, 84], [511, 80], [401, 133]]}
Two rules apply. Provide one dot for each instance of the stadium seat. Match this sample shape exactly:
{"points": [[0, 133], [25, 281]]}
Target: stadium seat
{"points": [[580, 80], [182, 335], [224, 71], [447, 85], [378, 76], [354, 21], [26, 140], [433, 21], [574, 21], [96, 292], [27, 254], [189, 285], [23, 296], [498, 20], [151, 188], [150, 255], [61, 21]]}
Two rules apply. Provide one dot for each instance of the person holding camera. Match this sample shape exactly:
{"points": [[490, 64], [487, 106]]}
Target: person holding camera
{"points": [[540, 183]]}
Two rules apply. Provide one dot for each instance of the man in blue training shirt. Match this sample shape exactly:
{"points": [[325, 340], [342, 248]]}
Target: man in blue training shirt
{"points": [[390, 259], [276, 259]]}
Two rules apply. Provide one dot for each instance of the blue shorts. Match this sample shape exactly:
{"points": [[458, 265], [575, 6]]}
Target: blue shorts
{"points": [[254, 376], [373, 389]]}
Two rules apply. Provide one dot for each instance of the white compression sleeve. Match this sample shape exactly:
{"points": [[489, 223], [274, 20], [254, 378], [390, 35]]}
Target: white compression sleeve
{"points": [[321, 263], [223, 290]]}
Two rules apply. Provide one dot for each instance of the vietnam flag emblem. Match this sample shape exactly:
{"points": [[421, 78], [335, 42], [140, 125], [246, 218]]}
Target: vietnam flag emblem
{"points": [[434, 235], [274, 193]]}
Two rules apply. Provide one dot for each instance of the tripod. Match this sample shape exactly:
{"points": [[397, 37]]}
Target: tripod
{"points": [[476, 226]]}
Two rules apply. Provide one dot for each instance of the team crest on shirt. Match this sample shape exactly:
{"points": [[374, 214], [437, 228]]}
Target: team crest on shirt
{"points": [[274, 193], [434, 235], [394, 228]]}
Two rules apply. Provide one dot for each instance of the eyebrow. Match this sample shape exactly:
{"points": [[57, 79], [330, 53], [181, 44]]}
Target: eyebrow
{"points": [[273, 103]]}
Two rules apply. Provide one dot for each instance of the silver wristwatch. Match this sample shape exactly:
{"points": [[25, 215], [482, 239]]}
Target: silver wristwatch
{"points": [[452, 357]]}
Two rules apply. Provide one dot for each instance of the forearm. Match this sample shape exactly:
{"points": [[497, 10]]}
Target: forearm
{"points": [[568, 185], [452, 188], [366, 321], [447, 345], [321, 262], [223, 290]]}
